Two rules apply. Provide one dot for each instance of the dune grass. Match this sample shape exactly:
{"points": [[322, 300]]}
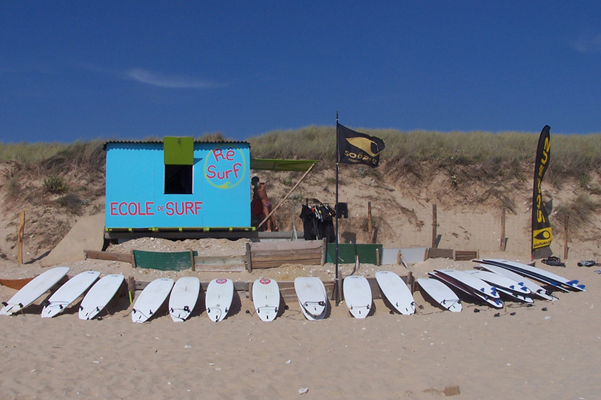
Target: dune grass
{"points": [[464, 156]]}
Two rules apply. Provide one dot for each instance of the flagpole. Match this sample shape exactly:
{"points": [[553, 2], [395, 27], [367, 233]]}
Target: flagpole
{"points": [[337, 281]]}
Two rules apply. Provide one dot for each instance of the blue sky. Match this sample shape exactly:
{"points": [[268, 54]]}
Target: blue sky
{"points": [[74, 70]]}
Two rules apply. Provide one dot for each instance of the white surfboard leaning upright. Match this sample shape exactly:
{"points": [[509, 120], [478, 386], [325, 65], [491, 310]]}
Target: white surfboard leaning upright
{"points": [[151, 299], [99, 296], [68, 293], [312, 297], [441, 294], [357, 295], [184, 296], [396, 292], [266, 298], [33, 290], [218, 300]]}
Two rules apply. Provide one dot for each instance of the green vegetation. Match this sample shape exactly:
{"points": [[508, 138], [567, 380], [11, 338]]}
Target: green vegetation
{"points": [[464, 155]]}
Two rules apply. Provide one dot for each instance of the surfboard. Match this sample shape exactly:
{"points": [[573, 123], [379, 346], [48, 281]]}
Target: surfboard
{"points": [[474, 283], [151, 299], [68, 293], [469, 291], [99, 296], [184, 297], [266, 298], [441, 294], [311, 294], [357, 295], [33, 290], [500, 281], [537, 273], [515, 296], [218, 299], [396, 292], [534, 288]]}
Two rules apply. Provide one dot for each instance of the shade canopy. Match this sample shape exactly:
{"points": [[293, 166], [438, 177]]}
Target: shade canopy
{"points": [[281, 165]]}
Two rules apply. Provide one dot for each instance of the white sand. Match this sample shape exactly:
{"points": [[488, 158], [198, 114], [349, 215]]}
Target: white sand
{"points": [[534, 353]]}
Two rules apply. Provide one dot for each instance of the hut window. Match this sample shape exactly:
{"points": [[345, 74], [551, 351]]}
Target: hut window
{"points": [[178, 179]]}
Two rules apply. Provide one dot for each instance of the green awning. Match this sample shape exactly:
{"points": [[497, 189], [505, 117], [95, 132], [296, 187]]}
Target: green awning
{"points": [[281, 165]]}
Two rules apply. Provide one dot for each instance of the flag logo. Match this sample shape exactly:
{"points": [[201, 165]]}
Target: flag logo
{"points": [[358, 148]]}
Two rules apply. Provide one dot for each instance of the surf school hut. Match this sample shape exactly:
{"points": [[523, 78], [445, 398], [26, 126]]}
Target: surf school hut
{"points": [[181, 188]]}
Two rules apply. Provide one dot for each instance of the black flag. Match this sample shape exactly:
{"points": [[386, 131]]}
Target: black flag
{"points": [[541, 227], [358, 148]]}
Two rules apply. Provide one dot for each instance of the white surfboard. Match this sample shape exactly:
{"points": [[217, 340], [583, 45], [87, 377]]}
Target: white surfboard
{"points": [[357, 295], [534, 288], [266, 298], [68, 293], [151, 299], [467, 290], [184, 296], [515, 296], [218, 300], [396, 292], [537, 273], [476, 284], [441, 294], [311, 294], [500, 281], [99, 296], [33, 290]]}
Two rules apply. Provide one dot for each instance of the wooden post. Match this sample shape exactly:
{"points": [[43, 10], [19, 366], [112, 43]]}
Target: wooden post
{"points": [[133, 259], [411, 281], [566, 232], [193, 266], [502, 247], [434, 224], [377, 256], [20, 237], [131, 289], [249, 266], [369, 221]]}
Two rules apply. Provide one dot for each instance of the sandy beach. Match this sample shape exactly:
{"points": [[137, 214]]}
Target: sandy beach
{"points": [[547, 349]]}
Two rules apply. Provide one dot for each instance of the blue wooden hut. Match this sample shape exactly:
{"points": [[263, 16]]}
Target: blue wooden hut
{"points": [[177, 184]]}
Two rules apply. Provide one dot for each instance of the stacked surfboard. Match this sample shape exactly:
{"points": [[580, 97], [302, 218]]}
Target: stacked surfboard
{"points": [[546, 277], [469, 285]]}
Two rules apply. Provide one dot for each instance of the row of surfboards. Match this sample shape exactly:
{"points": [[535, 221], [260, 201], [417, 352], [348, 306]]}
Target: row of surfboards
{"points": [[184, 294], [493, 279]]}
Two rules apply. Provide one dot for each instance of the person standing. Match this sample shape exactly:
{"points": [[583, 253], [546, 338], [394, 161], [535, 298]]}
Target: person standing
{"points": [[260, 191]]}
